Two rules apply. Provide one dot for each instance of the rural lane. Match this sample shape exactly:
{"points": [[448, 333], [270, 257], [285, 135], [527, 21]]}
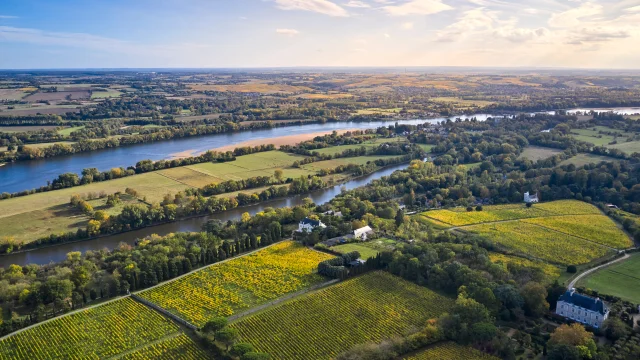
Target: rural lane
{"points": [[577, 278]]}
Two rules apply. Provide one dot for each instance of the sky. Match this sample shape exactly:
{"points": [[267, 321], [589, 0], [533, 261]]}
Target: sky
{"points": [[286, 33]]}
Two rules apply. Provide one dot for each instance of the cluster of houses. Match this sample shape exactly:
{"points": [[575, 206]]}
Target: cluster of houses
{"points": [[307, 225]]}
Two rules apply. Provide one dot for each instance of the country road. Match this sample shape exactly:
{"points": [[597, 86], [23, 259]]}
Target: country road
{"points": [[577, 278]]}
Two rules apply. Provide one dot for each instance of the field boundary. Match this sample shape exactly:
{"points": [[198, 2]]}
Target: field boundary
{"points": [[164, 312], [282, 299], [575, 280], [150, 343]]}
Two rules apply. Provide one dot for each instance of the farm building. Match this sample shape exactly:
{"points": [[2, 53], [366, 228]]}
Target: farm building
{"points": [[530, 198], [582, 308], [362, 233], [307, 225]]}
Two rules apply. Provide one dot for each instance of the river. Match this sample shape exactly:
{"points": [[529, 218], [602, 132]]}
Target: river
{"points": [[620, 110], [58, 252], [26, 175]]}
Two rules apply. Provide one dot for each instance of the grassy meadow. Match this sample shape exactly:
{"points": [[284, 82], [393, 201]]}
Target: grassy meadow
{"points": [[621, 279]]}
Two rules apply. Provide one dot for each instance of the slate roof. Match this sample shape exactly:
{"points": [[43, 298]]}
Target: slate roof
{"points": [[307, 221], [584, 302]]}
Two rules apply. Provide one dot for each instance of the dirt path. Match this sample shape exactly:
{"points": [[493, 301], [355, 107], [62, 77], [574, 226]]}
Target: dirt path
{"points": [[577, 278]]}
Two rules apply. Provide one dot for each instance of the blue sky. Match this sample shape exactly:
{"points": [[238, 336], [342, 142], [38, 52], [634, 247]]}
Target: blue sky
{"points": [[272, 33]]}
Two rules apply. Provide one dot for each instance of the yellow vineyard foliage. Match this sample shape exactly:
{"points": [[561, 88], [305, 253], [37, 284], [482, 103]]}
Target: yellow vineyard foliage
{"points": [[223, 289], [551, 272], [178, 347], [95, 333], [322, 324], [541, 242], [596, 228]]}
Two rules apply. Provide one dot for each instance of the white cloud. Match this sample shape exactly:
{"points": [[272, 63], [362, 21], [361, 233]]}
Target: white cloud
{"points": [[407, 25], [634, 9], [387, 36], [417, 7], [357, 4], [485, 26], [531, 11], [320, 6], [597, 35], [8, 17], [471, 21], [288, 32], [242, 18], [575, 16]]}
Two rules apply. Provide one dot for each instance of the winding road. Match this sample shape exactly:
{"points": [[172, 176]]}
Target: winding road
{"points": [[577, 278]]}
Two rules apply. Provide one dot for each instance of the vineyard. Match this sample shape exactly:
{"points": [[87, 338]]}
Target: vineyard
{"points": [[541, 242], [551, 272], [223, 289], [596, 228], [98, 332], [178, 347], [462, 217], [325, 323], [451, 351]]}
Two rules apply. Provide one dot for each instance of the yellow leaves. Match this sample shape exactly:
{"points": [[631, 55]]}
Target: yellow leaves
{"points": [[98, 332], [241, 283], [322, 324]]}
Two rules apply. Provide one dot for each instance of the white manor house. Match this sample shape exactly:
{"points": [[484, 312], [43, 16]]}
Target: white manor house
{"points": [[581, 308]]}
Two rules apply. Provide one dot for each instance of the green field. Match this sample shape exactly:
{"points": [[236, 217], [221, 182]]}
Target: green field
{"points": [[240, 284], [248, 166], [584, 159], [535, 153], [593, 136], [28, 218], [332, 164], [105, 94], [320, 325], [69, 130], [366, 249], [95, 333], [621, 279]]}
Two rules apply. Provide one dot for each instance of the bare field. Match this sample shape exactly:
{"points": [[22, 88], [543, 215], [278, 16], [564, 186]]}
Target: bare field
{"points": [[59, 95], [256, 87], [279, 141], [11, 94]]}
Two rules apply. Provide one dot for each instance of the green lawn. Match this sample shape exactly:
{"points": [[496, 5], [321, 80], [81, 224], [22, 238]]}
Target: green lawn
{"points": [[592, 136], [365, 252], [105, 94], [69, 130], [584, 159], [535, 153], [426, 147], [621, 279], [366, 249]]}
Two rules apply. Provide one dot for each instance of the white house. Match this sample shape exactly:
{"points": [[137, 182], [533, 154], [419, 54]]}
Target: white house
{"points": [[307, 225], [362, 233], [530, 198], [581, 308], [333, 213]]}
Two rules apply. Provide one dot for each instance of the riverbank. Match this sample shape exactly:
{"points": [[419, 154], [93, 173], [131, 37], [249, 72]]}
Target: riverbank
{"points": [[20, 176], [282, 140], [41, 256]]}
